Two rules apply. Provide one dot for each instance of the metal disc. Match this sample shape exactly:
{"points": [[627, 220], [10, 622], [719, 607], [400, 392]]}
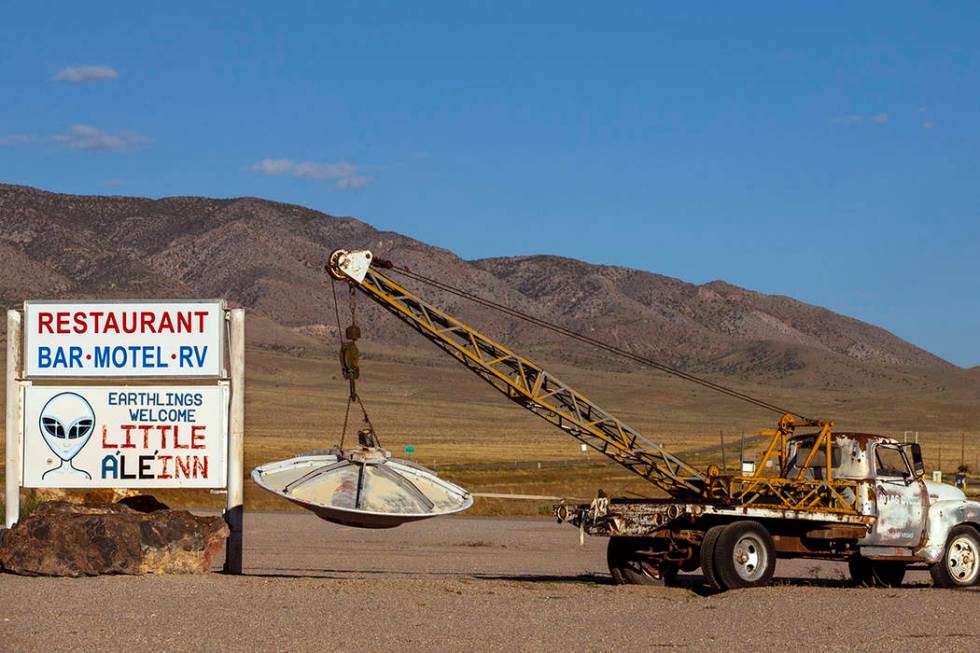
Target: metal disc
{"points": [[362, 487]]}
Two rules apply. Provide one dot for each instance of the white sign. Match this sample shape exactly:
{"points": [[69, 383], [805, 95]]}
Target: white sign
{"points": [[135, 437], [124, 339]]}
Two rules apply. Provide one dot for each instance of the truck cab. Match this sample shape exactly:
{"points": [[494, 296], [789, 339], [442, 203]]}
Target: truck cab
{"points": [[890, 478], [915, 521]]}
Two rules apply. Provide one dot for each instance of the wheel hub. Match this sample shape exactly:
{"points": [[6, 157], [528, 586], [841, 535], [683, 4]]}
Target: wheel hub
{"points": [[962, 561], [749, 556]]}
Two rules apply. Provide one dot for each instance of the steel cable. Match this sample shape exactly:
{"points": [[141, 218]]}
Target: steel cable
{"points": [[643, 360], [353, 395]]}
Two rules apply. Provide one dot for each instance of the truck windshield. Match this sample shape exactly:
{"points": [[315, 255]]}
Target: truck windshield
{"points": [[890, 462]]}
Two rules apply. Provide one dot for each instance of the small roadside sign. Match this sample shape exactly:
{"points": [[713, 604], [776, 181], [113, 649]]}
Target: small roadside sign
{"points": [[133, 339], [136, 436]]}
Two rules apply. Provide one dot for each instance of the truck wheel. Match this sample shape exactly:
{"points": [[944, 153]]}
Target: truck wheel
{"points": [[708, 556], [744, 555], [876, 573], [960, 564], [629, 565]]}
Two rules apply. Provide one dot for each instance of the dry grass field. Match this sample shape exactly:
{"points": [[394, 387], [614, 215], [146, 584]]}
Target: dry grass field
{"points": [[473, 436]]}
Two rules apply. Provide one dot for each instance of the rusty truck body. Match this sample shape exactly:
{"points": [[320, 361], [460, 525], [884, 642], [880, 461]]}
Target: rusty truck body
{"points": [[902, 521]]}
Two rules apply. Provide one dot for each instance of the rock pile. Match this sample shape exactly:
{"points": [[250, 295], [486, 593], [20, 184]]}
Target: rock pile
{"points": [[65, 539]]}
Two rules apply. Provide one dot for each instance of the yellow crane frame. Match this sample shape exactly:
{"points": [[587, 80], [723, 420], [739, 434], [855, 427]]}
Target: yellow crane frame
{"points": [[539, 391]]}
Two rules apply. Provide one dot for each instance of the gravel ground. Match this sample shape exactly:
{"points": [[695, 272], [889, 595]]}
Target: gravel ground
{"points": [[467, 584]]}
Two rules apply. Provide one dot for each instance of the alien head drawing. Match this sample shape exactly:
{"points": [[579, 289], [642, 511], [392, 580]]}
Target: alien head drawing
{"points": [[67, 422]]}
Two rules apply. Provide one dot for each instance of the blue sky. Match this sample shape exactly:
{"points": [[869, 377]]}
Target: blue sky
{"points": [[825, 151]]}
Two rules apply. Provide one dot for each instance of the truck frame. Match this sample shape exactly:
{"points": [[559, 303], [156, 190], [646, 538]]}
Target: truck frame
{"points": [[854, 497]]}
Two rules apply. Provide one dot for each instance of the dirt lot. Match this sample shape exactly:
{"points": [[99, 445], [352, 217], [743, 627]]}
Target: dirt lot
{"points": [[467, 584]]}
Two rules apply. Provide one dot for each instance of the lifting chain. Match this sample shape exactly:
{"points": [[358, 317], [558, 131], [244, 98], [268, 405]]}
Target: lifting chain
{"points": [[350, 359]]}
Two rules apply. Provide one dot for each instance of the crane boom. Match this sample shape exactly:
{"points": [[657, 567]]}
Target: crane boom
{"points": [[522, 380]]}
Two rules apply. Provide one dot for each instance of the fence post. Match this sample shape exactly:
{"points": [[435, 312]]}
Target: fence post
{"points": [[13, 426], [234, 509], [724, 463]]}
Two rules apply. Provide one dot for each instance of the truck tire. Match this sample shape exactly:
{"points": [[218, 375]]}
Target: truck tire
{"points": [[744, 555], [960, 564], [628, 566], [876, 573], [708, 557]]}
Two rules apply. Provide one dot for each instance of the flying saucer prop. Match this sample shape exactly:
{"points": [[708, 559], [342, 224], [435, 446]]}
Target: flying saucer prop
{"points": [[363, 487]]}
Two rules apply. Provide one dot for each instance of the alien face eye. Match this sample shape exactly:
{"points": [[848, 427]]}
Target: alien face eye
{"points": [[53, 427], [80, 428]]}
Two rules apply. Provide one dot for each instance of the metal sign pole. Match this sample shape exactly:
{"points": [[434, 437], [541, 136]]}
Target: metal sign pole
{"points": [[234, 510], [12, 433]]}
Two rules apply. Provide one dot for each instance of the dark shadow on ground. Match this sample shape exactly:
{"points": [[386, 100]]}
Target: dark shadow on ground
{"points": [[590, 579], [692, 582], [336, 574]]}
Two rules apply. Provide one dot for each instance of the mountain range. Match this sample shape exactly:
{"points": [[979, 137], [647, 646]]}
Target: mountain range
{"points": [[269, 257]]}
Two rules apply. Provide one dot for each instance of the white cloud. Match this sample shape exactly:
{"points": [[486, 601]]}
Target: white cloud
{"points": [[87, 137], [880, 118], [354, 182], [86, 73], [344, 175], [16, 139], [928, 124]]}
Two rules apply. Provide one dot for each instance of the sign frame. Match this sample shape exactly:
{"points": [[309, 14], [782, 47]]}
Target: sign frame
{"points": [[232, 373], [222, 340]]}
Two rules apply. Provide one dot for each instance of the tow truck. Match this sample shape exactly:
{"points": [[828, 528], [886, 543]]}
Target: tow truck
{"points": [[813, 492]]}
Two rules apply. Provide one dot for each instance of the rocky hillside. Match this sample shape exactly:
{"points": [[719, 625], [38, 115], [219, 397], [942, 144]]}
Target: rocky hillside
{"points": [[269, 257], [686, 322]]}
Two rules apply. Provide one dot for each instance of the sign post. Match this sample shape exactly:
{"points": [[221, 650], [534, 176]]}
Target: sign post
{"points": [[235, 508], [187, 431], [13, 422]]}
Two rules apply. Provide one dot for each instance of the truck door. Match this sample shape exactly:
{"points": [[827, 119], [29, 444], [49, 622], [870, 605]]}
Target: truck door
{"points": [[901, 499]]}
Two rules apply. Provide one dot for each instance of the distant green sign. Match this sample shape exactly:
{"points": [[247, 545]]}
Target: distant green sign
{"points": [[409, 449]]}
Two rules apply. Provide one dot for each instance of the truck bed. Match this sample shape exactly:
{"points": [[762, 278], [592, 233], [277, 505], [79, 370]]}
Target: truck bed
{"points": [[641, 517]]}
